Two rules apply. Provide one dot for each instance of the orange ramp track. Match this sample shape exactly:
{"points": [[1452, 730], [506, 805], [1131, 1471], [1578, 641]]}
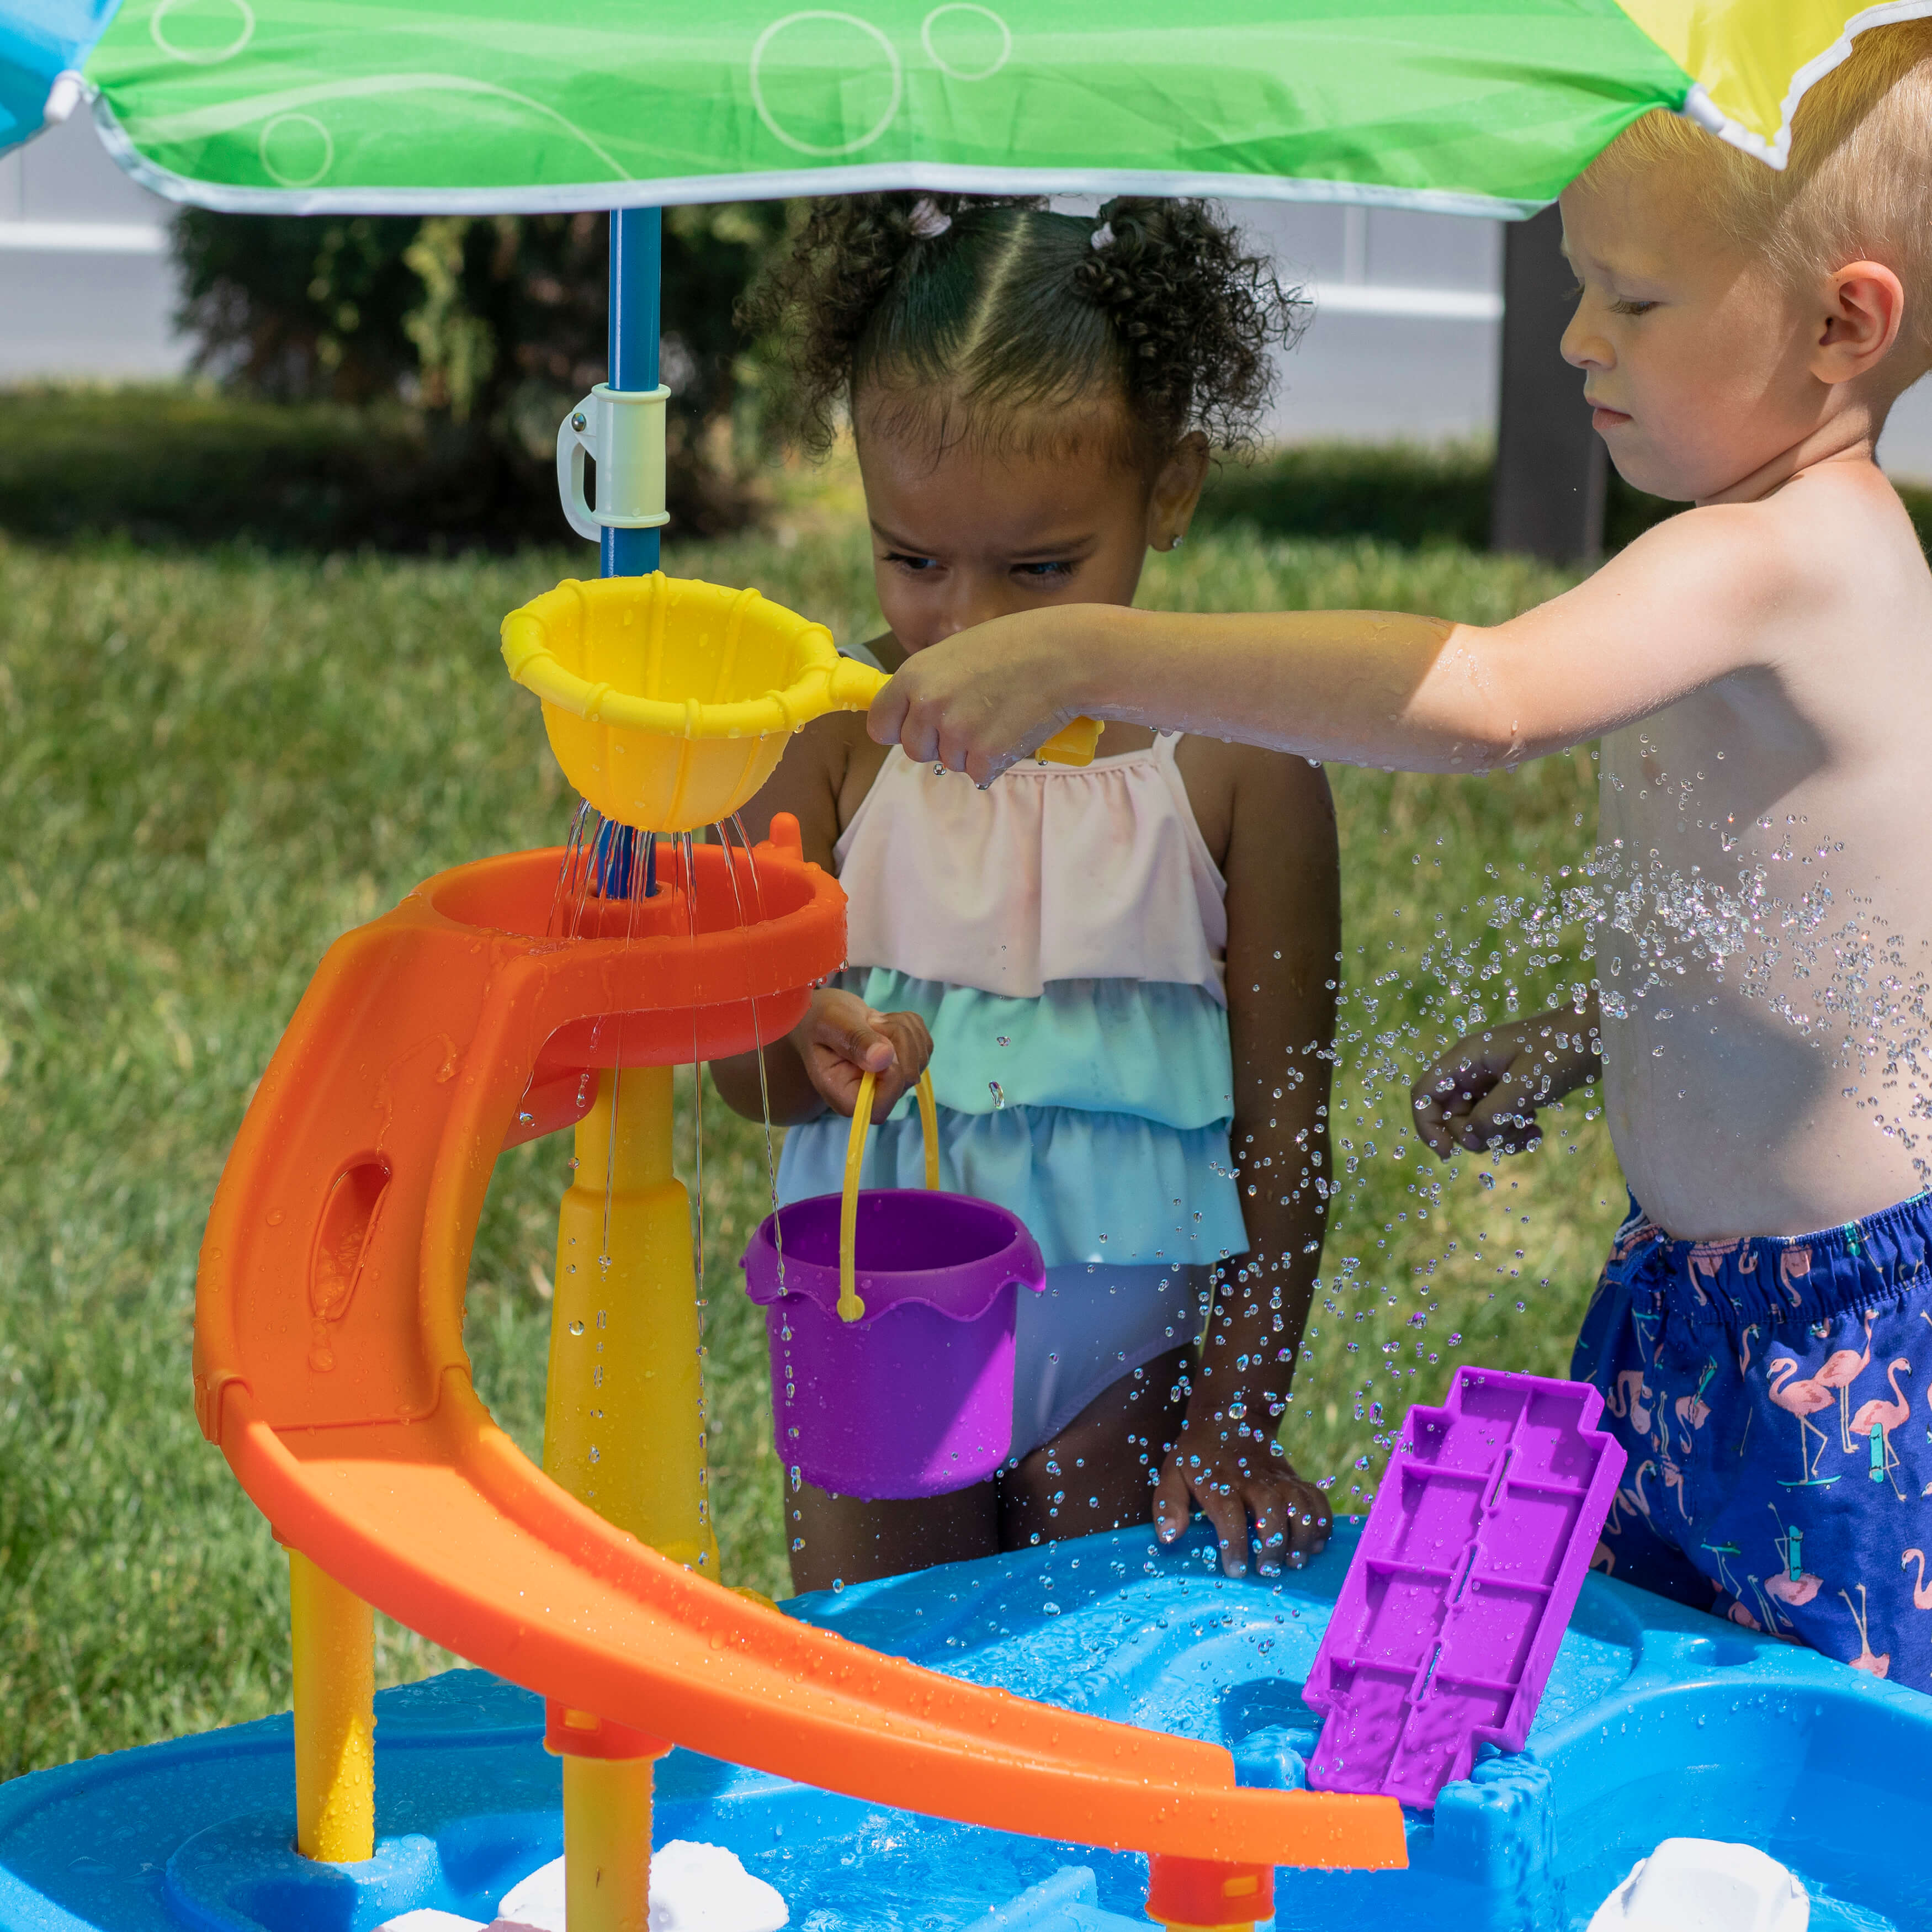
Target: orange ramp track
{"points": [[329, 1367]]}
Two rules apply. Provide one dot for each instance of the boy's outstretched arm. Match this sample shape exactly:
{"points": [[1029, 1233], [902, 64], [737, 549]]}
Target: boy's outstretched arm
{"points": [[1685, 605]]}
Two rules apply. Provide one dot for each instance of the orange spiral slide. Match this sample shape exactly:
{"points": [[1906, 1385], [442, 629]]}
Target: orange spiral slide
{"points": [[329, 1367]]}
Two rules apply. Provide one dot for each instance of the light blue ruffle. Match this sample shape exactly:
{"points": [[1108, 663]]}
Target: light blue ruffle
{"points": [[1091, 1186], [1148, 1048]]}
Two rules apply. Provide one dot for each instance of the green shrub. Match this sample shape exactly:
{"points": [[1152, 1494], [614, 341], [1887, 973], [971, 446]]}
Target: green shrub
{"points": [[1412, 495], [488, 328]]}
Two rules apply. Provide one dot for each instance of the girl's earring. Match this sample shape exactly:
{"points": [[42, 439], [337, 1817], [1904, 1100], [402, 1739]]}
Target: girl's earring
{"points": [[1176, 542]]}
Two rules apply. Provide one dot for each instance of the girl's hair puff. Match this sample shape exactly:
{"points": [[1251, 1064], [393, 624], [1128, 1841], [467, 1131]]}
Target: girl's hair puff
{"points": [[959, 315], [1854, 186]]}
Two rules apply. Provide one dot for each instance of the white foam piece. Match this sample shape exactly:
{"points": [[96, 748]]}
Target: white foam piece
{"points": [[695, 1888], [428, 1918], [535, 1903], [1704, 1884]]}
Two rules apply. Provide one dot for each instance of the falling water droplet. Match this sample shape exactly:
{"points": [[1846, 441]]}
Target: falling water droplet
{"points": [[999, 1099]]}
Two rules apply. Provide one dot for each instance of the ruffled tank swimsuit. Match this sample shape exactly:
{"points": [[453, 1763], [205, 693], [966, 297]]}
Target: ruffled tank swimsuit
{"points": [[1063, 933]]}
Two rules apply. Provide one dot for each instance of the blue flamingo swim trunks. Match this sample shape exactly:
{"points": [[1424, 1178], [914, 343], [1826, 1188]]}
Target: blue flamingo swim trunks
{"points": [[1775, 1397]]}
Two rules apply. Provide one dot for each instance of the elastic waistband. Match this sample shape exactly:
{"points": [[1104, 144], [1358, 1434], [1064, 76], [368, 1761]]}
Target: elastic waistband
{"points": [[1775, 1278]]}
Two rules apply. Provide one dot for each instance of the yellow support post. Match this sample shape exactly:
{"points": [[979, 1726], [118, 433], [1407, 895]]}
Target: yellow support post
{"points": [[607, 1843], [333, 1637], [624, 1412]]}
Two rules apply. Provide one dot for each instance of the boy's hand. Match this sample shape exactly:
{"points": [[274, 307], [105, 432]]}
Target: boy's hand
{"points": [[1484, 1092], [841, 1039], [976, 702], [1234, 1476]]}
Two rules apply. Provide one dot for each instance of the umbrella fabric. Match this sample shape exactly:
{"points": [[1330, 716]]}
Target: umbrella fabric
{"points": [[1491, 107]]}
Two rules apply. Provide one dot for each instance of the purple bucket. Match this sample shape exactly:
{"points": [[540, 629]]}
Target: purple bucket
{"points": [[915, 1397]]}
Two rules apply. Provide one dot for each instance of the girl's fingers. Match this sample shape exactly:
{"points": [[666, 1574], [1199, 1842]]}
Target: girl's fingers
{"points": [[1271, 1507], [1225, 1505], [1310, 1523], [1171, 1503]]}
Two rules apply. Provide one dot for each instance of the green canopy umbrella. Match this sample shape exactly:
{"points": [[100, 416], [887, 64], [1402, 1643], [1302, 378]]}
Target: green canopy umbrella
{"points": [[1477, 106]]}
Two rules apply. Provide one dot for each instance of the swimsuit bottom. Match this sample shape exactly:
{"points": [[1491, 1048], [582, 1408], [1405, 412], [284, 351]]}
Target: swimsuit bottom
{"points": [[1093, 1324], [1774, 1398]]}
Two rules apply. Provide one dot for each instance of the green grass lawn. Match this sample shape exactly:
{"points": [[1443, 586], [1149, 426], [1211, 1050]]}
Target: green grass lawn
{"points": [[212, 764]]}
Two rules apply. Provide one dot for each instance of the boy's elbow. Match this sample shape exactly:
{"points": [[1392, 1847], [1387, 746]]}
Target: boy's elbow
{"points": [[1467, 705], [1481, 743]]}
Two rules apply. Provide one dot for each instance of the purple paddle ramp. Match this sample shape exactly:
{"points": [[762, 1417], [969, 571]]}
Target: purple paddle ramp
{"points": [[1478, 1541]]}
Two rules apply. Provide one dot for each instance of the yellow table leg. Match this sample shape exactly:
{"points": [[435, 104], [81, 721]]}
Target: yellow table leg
{"points": [[624, 1414], [334, 1639], [607, 1844]]}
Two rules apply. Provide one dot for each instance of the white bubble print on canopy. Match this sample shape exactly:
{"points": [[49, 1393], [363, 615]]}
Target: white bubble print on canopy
{"points": [[204, 33], [296, 149], [966, 41], [818, 71], [813, 68]]}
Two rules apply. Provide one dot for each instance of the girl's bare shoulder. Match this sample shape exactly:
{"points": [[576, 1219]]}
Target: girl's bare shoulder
{"points": [[1233, 788]]}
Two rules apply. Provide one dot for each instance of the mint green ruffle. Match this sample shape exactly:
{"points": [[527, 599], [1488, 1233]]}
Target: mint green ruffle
{"points": [[1149, 1048]]}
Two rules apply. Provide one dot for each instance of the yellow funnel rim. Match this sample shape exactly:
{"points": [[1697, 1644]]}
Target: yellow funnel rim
{"points": [[821, 680]]}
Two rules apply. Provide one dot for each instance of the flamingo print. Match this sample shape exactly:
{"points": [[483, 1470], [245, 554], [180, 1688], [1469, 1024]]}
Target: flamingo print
{"points": [[1803, 1400], [1793, 1584], [1723, 1552], [1875, 1665], [1745, 1347], [1877, 1419], [1692, 1412], [1627, 1399], [1673, 1479], [1921, 1591], [1841, 1368], [1634, 1497], [1707, 1259], [1793, 1265], [1773, 1623]]}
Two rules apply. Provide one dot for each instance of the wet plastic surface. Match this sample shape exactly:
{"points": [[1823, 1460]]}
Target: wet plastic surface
{"points": [[1656, 1722]]}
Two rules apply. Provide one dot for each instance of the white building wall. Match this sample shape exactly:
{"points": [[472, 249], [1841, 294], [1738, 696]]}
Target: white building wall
{"points": [[1403, 343], [86, 287]]}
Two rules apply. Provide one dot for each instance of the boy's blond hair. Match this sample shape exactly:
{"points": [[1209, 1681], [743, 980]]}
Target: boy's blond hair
{"points": [[1858, 186]]}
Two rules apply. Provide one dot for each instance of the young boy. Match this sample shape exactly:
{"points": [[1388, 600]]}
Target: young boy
{"points": [[1759, 669]]}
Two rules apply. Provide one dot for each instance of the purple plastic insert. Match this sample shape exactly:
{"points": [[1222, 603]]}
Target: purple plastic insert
{"points": [[1462, 1586]]}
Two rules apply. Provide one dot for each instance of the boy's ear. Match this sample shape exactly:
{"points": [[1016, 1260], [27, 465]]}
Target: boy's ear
{"points": [[1865, 311], [1177, 490]]}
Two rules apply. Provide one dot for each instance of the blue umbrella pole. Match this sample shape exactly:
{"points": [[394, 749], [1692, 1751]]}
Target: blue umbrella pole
{"points": [[637, 308]]}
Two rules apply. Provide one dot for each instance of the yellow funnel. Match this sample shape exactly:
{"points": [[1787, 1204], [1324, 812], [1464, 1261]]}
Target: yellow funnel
{"points": [[668, 702]]}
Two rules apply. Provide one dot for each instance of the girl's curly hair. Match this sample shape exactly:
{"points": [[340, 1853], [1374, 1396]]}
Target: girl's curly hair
{"points": [[967, 310]]}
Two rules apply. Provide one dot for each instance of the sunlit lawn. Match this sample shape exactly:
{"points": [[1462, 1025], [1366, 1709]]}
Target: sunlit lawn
{"points": [[211, 764]]}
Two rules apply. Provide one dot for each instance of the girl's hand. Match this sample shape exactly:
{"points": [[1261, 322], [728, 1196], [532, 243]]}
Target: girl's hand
{"points": [[841, 1039], [1484, 1092], [1233, 1477]]}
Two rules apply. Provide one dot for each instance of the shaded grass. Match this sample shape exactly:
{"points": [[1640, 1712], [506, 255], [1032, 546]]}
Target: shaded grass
{"points": [[211, 764]]}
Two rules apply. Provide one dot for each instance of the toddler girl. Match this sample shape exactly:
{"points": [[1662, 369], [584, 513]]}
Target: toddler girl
{"points": [[1123, 974]]}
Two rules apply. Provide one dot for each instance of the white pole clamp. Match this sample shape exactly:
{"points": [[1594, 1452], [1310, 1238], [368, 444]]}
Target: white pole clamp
{"points": [[622, 431]]}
